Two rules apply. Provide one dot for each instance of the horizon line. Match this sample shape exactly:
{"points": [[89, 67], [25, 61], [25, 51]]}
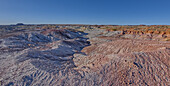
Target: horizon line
{"points": [[79, 24]]}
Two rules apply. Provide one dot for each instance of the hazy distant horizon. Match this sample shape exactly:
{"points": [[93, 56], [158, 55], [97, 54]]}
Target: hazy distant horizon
{"points": [[78, 24]]}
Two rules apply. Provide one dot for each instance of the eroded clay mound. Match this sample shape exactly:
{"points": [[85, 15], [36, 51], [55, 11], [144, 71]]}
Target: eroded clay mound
{"points": [[51, 57], [127, 62], [40, 58]]}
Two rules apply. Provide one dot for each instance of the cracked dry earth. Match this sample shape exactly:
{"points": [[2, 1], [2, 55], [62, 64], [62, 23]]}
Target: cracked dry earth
{"points": [[63, 57]]}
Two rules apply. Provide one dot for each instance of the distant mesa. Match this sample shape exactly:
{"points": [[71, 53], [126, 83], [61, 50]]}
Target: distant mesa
{"points": [[19, 24]]}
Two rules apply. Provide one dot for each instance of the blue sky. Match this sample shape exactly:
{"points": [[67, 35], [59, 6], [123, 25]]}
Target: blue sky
{"points": [[120, 12]]}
